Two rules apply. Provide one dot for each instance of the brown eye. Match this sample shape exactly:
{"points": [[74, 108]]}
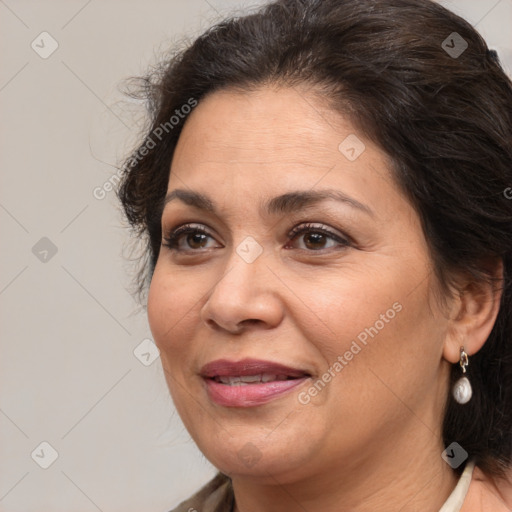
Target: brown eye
{"points": [[316, 238], [187, 238], [196, 240]]}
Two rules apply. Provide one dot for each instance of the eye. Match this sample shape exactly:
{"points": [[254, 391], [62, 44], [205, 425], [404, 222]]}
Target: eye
{"points": [[316, 237], [192, 235]]}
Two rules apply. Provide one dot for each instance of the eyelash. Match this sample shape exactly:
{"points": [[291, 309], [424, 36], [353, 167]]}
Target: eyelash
{"points": [[172, 239]]}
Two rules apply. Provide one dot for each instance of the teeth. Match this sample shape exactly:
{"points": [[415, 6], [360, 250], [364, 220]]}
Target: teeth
{"points": [[252, 378], [245, 380]]}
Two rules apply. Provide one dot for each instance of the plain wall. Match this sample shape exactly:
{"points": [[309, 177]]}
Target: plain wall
{"points": [[69, 327]]}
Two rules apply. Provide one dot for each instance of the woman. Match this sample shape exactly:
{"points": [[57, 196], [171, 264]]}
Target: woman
{"points": [[323, 195]]}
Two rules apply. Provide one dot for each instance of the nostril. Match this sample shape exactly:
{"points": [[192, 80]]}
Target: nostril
{"points": [[251, 321]]}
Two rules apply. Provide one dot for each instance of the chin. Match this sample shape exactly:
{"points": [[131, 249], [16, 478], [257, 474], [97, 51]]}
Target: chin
{"points": [[261, 455]]}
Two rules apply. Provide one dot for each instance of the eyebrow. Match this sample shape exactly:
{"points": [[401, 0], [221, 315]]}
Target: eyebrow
{"points": [[280, 205]]}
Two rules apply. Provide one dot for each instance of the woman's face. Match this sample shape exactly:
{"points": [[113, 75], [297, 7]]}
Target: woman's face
{"points": [[308, 257]]}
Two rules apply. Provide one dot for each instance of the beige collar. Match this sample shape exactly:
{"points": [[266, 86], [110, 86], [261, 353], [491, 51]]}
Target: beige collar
{"points": [[458, 495]]}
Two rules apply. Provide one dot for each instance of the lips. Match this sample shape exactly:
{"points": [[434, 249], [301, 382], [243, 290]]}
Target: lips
{"points": [[226, 368], [249, 382], [246, 380]]}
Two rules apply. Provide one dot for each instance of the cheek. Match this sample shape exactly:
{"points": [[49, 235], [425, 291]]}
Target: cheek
{"points": [[379, 328], [168, 305], [158, 304], [357, 306]]}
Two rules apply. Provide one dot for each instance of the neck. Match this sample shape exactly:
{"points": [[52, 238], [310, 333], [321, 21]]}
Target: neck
{"points": [[412, 477]]}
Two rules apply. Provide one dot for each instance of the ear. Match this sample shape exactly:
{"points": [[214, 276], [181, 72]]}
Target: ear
{"points": [[473, 313]]}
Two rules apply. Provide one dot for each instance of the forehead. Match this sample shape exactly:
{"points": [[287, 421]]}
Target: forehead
{"points": [[264, 125], [274, 140]]}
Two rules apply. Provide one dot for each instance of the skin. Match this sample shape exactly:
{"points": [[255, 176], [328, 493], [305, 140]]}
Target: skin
{"points": [[371, 439]]}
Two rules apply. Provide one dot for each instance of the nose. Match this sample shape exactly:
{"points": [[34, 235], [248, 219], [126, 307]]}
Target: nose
{"points": [[245, 295]]}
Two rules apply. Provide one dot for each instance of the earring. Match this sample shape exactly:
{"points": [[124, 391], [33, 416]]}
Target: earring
{"points": [[462, 391]]}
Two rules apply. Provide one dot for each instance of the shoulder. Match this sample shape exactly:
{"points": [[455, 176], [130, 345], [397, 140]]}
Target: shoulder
{"points": [[214, 496], [488, 494]]}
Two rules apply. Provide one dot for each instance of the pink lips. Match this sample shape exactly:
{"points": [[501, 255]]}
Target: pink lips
{"points": [[264, 381]]}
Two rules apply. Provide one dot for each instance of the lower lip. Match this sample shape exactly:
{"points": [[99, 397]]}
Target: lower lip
{"points": [[250, 395]]}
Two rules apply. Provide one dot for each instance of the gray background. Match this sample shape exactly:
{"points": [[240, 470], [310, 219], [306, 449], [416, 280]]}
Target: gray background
{"points": [[70, 330]]}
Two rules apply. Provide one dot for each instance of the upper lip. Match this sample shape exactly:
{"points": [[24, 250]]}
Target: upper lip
{"points": [[227, 368]]}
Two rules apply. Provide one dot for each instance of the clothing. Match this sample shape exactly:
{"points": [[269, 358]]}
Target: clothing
{"points": [[474, 492], [215, 496]]}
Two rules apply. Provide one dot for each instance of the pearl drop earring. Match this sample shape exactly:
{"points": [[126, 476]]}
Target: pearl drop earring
{"points": [[462, 391]]}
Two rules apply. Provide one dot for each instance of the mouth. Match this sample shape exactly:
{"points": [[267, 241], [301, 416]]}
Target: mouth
{"points": [[249, 382]]}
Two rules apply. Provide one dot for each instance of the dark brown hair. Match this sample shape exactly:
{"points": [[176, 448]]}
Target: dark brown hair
{"points": [[400, 70]]}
